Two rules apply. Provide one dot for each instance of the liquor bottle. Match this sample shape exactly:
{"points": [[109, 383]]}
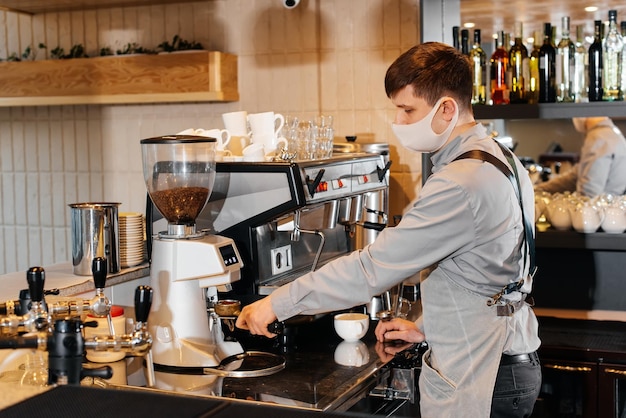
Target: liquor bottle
{"points": [[455, 38], [623, 83], [518, 68], [612, 46], [580, 85], [499, 63], [478, 60], [547, 67], [565, 64], [465, 42], [595, 64], [533, 65]]}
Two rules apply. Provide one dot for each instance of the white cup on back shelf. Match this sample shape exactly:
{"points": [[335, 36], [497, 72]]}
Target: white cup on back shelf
{"points": [[254, 152], [222, 136], [265, 124], [236, 123], [271, 143]]}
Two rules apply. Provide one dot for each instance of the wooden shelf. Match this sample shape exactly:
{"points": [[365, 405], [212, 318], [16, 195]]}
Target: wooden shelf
{"points": [[45, 6], [206, 76]]}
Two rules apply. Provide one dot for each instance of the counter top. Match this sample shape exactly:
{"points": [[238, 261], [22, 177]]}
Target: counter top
{"points": [[60, 276]]}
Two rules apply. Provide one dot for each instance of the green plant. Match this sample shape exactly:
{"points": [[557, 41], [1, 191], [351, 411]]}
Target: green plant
{"points": [[179, 44], [29, 54], [77, 51], [134, 48], [106, 51]]}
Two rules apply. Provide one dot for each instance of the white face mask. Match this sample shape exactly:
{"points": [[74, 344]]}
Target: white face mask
{"points": [[420, 137]]}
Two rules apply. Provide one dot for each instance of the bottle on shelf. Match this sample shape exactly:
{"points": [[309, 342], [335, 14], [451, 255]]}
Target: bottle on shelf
{"points": [[456, 38], [518, 68], [565, 64], [478, 60], [623, 83], [547, 67], [580, 84], [499, 64], [533, 65], [595, 63], [612, 46], [465, 42]]}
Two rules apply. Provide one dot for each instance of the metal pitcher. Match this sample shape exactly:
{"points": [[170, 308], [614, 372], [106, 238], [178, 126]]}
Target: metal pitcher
{"points": [[95, 233]]}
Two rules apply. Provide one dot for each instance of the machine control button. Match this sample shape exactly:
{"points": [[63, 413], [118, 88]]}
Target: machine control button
{"points": [[365, 178], [338, 184]]}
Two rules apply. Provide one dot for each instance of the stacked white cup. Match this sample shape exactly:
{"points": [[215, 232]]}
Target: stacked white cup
{"points": [[237, 124], [264, 129]]}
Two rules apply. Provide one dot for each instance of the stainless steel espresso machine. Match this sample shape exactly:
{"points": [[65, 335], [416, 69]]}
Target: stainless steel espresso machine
{"points": [[288, 218]]}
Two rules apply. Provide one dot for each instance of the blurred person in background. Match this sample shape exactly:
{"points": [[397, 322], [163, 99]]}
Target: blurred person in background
{"points": [[602, 165]]}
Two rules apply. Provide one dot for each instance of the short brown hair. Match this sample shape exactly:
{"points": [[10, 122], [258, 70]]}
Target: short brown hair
{"points": [[434, 70]]}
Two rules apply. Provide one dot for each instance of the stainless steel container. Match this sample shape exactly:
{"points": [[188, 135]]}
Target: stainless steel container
{"points": [[95, 233]]}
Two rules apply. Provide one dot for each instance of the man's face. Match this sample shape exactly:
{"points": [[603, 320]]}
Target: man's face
{"points": [[410, 108]]}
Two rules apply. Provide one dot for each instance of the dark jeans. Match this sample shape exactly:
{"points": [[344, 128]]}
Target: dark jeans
{"points": [[517, 388]]}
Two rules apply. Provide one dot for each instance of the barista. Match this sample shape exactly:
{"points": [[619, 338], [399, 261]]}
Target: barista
{"points": [[602, 165], [467, 225]]}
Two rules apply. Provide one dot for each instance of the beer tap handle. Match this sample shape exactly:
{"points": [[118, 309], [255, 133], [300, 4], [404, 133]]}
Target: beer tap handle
{"points": [[99, 271], [36, 277], [143, 303]]}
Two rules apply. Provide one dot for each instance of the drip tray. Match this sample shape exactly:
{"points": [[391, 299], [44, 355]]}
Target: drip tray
{"points": [[246, 364]]}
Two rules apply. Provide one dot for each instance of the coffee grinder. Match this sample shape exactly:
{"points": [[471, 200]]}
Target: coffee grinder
{"points": [[187, 265]]}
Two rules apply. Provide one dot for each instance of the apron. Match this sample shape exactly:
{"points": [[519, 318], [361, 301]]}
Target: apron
{"points": [[466, 340]]}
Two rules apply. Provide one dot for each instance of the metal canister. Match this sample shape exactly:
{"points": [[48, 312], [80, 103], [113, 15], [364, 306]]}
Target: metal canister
{"points": [[95, 233]]}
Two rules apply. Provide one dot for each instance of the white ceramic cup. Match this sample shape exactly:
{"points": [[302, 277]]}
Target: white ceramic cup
{"points": [[270, 142], [351, 326], [222, 154], [238, 143], [254, 152], [352, 353], [265, 123], [236, 122], [221, 135]]}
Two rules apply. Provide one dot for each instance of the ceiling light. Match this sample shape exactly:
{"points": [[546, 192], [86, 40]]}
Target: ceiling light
{"points": [[469, 25], [591, 9]]}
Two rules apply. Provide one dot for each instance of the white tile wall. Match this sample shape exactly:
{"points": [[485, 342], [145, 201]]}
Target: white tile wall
{"points": [[326, 56]]}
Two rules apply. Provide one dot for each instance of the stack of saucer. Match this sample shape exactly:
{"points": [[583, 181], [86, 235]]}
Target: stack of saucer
{"points": [[131, 227]]}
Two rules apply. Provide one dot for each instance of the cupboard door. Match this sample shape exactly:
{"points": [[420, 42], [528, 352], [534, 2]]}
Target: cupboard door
{"points": [[612, 390], [568, 390]]}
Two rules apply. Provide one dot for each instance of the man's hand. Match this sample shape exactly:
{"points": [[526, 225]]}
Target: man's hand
{"points": [[256, 317], [398, 329]]}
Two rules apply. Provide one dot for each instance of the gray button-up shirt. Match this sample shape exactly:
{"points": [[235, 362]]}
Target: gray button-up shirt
{"points": [[466, 222]]}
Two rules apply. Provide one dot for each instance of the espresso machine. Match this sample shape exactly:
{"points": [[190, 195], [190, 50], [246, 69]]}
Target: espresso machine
{"points": [[291, 217], [188, 265]]}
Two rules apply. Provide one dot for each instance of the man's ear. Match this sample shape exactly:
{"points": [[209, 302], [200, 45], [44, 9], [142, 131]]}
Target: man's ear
{"points": [[449, 106]]}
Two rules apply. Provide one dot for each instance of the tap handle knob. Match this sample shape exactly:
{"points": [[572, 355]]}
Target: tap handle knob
{"points": [[143, 303], [36, 277], [99, 271]]}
